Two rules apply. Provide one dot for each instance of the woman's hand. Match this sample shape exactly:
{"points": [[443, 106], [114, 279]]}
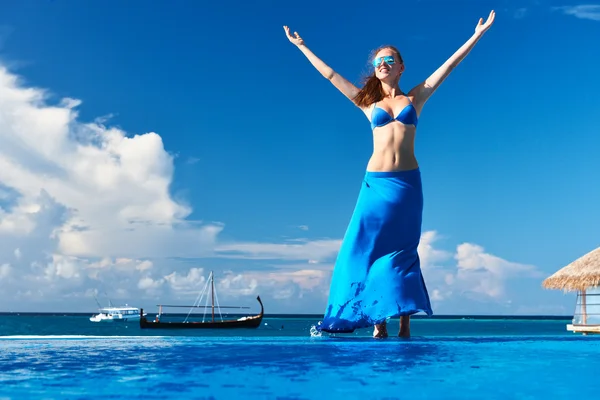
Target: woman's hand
{"points": [[482, 27], [296, 39]]}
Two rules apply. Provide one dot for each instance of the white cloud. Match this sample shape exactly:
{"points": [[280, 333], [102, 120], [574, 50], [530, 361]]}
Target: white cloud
{"points": [[472, 257], [583, 11], [428, 254], [5, 270], [238, 284], [191, 282], [63, 267], [74, 196], [144, 265], [470, 273], [114, 186], [436, 295], [147, 283], [309, 285], [308, 250]]}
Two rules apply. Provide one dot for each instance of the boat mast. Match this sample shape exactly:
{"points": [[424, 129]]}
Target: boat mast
{"points": [[212, 302]]}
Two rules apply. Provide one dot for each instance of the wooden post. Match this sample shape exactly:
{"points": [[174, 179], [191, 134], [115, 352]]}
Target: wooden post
{"points": [[583, 307]]}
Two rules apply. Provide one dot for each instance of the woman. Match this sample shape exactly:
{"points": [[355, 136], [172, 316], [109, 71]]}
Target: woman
{"points": [[377, 274]]}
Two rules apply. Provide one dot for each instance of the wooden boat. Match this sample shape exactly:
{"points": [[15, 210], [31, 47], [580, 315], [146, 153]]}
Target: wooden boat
{"points": [[252, 321]]}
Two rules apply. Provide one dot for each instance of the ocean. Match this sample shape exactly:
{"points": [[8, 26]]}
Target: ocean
{"points": [[65, 356]]}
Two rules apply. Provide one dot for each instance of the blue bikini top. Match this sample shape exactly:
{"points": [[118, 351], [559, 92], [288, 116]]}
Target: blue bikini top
{"points": [[380, 117]]}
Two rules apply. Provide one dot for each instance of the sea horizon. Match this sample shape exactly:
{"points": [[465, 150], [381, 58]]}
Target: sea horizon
{"points": [[313, 315]]}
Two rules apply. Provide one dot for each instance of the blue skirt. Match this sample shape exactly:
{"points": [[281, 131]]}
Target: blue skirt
{"points": [[377, 273]]}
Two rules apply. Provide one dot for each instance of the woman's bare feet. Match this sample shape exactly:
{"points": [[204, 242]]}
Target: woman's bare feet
{"points": [[380, 330], [404, 326]]}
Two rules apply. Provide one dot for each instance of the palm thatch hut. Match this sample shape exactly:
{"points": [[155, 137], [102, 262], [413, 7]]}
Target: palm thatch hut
{"points": [[582, 276]]}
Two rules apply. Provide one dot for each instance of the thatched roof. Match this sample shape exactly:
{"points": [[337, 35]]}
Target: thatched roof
{"points": [[580, 274]]}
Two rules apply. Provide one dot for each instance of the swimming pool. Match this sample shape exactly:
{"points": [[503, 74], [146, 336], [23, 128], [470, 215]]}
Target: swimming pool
{"points": [[268, 367]]}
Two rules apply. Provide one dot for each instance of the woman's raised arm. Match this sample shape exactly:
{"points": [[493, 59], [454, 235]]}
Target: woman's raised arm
{"points": [[343, 85], [425, 89]]}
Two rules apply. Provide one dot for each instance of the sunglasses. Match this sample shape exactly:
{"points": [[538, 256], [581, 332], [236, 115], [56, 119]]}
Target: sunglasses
{"points": [[389, 60]]}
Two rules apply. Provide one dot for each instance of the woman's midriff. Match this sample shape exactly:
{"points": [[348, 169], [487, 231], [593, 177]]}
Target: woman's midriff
{"points": [[393, 148]]}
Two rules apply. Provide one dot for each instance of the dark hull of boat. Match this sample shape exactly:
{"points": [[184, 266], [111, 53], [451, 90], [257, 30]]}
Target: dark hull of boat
{"points": [[255, 323], [248, 323]]}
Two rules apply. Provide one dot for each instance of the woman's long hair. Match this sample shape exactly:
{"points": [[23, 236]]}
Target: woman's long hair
{"points": [[372, 90]]}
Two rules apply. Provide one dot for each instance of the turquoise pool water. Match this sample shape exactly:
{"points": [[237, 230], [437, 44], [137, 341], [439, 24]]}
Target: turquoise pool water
{"points": [[495, 361]]}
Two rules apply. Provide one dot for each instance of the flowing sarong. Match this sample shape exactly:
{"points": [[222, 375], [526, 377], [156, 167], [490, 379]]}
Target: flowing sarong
{"points": [[377, 273]]}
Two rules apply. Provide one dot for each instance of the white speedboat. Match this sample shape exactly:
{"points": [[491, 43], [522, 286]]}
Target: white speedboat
{"points": [[117, 314]]}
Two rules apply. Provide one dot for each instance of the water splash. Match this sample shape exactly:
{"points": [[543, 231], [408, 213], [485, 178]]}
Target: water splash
{"points": [[314, 332]]}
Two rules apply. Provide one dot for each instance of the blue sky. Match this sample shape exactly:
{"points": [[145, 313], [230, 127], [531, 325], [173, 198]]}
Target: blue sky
{"points": [[248, 162]]}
